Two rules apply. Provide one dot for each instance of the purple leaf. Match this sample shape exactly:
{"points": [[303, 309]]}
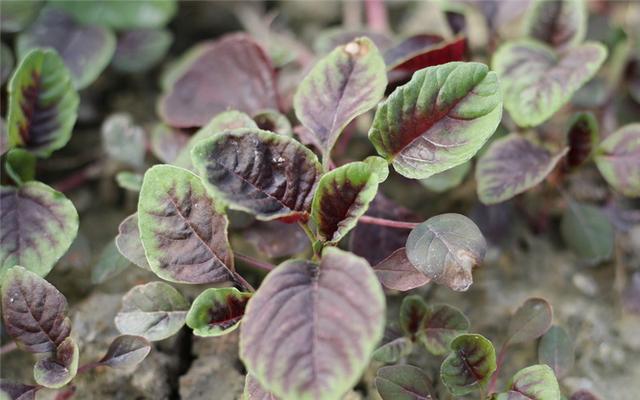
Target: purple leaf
{"points": [[56, 371], [440, 325], [18, 391], [582, 139], [217, 311], [412, 311], [560, 23], [530, 321], [332, 38], [167, 142], [396, 272], [277, 239], [618, 159], [469, 366], [126, 351], [140, 49], [403, 382], [129, 244], [253, 390]]}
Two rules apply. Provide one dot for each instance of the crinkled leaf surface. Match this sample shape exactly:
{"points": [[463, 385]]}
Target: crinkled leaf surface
{"points": [[217, 311], [512, 165], [254, 391], [559, 23], [20, 165], [17, 391], [440, 325], [260, 172], [85, 49], [396, 272], [123, 141], [38, 226], [393, 351], [618, 159], [469, 366], [58, 370], [309, 331], [34, 311], [140, 49], [120, 14], [536, 81], [403, 382], [342, 196], [582, 138], [129, 243], [154, 311], [536, 382], [530, 321], [126, 351], [556, 350], [439, 119], [412, 311], [344, 84], [231, 73], [183, 230], [16, 15], [110, 264], [167, 143], [42, 103], [445, 248], [587, 231]]}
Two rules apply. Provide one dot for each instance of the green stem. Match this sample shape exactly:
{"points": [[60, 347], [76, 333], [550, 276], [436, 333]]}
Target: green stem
{"points": [[310, 235]]}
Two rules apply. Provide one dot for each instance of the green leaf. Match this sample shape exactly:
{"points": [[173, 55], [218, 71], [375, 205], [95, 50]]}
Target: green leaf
{"points": [[226, 121], [129, 181], [6, 62], [393, 351], [588, 232], [445, 248], [217, 311], [441, 324], [129, 243], [110, 264], [34, 312], [536, 382], [412, 311], [86, 50], [342, 196], [556, 350], [126, 351], [512, 165], [449, 179], [309, 330], [154, 311], [120, 15], [439, 119], [38, 224], [55, 372], [618, 159], [139, 50], [530, 321], [273, 121], [469, 366], [17, 15], [347, 82], [123, 141], [397, 273], [260, 172], [403, 382], [378, 166], [20, 165], [42, 103], [561, 24], [582, 138], [183, 230], [537, 82]]}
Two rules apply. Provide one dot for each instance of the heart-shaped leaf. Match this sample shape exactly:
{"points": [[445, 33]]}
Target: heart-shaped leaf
{"points": [[231, 73], [126, 351], [309, 330], [123, 141], [140, 49], [618, 159], [556, 350], [56, 371], [154, 311], [582, 138], [260, 172], [42, 103], [167, 143], [536, 382], [183, 230], [129, 181], [587, 231], [217, 311], [34, 311], [536, 81], [393, 351], [120, 14], [85, 49], [110, 264], [20, 165], [396, 272], [512, 165], [273, 121], [412, 311], [562, 24], [17, 391], [445, 248], [38, 225], [469, 366], [440, 325], [129, 243], [16, 15], [343, 195], [403, 382], [226, 121], [254, 391], [530, 321], [439, 119], [344, 84]]}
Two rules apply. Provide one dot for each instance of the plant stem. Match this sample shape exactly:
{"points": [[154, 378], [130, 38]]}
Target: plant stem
{"points": [[377, 15], [87, 367], [310, 235], [254, 262], [8, 348], [366, 219], [501, 355], [243, 282]]}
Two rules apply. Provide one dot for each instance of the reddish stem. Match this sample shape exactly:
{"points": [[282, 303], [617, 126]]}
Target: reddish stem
{"points": [[377, 15], [501, 356], [87, 367], [365, 219], [254, 262], [78, 178]]}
